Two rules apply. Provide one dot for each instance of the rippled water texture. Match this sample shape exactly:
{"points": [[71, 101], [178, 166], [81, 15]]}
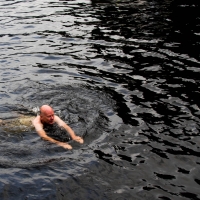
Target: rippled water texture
{"points": [[124, 75]]}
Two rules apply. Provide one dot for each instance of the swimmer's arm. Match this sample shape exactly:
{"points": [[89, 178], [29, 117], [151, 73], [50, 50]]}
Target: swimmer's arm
{"points": [[61, 123], [40, 131], [44, 136]]}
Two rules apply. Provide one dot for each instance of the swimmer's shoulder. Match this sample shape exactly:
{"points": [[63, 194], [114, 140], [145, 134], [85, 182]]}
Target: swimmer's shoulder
{"points": [[56, 118], [59, 121], [36, 121]]}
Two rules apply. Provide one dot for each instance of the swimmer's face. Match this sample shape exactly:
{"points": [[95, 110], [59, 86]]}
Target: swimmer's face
{"points": [[47, 117]]}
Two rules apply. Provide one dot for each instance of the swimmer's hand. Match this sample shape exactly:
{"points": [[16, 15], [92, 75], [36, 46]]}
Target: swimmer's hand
{"points": [[78, 139], [64, 145]]}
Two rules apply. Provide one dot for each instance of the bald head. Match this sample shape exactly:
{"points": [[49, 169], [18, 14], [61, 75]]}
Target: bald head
{"points": [[45, 109], [47, 114]]}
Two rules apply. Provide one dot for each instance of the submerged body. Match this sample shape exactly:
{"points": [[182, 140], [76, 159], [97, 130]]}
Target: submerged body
{"points": [[17, 125], [56, 132]]}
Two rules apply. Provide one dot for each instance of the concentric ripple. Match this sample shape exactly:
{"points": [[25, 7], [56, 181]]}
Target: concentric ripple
{"points": [[88, 112]]}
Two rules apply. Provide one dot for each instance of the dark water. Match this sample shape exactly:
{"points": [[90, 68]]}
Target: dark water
{"points": [[125, 76]]}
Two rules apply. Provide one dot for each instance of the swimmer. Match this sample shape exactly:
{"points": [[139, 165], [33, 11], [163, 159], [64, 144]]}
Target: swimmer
{"points": [[47, 117]]}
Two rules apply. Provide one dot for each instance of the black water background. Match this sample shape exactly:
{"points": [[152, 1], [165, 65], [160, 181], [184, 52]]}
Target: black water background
{"points": [[123, 74]]}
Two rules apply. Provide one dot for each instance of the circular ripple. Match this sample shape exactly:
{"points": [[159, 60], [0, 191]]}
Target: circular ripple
{"points": [[90, 113]]}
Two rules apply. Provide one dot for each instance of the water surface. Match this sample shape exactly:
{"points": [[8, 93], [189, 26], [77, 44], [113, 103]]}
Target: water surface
{"points": [[125, 76]]}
